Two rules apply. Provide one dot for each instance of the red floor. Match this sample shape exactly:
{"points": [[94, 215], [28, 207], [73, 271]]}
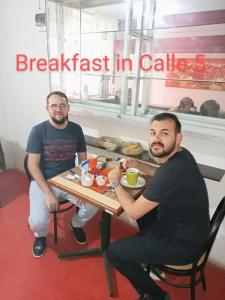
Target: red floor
{"points": [[23, 277]]}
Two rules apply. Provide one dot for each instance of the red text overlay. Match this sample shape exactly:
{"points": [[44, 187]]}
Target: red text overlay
{"points": [[77, 64]]}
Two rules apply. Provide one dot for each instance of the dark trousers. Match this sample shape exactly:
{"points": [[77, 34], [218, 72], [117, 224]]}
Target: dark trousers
{"points": [[128, 254]]}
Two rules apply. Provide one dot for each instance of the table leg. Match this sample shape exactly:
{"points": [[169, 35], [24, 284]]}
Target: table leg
{"points": [[78, 253], [109, 277], [105, 241], [105, 230]]}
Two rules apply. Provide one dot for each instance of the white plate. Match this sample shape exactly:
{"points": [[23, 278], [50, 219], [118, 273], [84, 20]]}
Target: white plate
{"points": [[140, 183], [71, 177]]}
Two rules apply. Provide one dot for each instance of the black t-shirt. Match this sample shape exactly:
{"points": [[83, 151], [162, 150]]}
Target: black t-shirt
{"points": [[180, 190], [58, 147]]}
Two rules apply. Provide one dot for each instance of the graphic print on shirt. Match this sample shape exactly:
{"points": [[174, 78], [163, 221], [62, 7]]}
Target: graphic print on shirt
{"points": [[59, 149]]}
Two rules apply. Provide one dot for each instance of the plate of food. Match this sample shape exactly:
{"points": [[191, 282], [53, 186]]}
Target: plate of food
{"points": [[131, 148], [140, 183], [109, 143]]}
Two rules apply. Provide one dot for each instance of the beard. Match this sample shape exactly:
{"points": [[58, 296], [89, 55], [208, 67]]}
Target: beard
{"points": [[59, 121], [164, 152]]}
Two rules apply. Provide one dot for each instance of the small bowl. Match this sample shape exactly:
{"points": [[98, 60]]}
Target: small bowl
{"points": [[87, 179], [101, 181]]}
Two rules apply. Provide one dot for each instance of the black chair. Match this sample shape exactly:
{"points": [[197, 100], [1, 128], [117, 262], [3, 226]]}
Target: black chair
{"points": [[2, 159], [195, 270], [64, 204]]}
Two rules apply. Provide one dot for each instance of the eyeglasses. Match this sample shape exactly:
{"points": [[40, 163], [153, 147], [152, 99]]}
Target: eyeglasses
{"points": [[61, 106]]}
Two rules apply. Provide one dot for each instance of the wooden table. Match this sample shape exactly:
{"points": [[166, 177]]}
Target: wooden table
{"points": [[110, 207]]}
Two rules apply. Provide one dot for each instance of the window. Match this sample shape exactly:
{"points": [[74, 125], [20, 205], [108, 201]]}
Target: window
{"points": [[140, 57]]}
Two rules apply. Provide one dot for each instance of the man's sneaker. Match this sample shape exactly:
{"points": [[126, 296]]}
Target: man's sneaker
{"points": [[151, 274], [166, 296], [79, 235], [39, 246], [155, 277]]}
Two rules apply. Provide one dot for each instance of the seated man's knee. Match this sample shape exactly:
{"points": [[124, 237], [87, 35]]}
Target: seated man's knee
{"points": [[88, 210], [92, 208], [36, 223], [111, 255]]}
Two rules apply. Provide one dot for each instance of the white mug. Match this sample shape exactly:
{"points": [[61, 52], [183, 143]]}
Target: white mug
{"points": [[87, 179], [100, 180]]}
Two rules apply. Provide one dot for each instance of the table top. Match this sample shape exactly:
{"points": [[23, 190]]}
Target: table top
{"points": [[107, 200]]}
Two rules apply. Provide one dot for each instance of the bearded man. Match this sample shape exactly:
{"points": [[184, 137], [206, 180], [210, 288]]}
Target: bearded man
{"points": [[172, 213], [52, 148]]}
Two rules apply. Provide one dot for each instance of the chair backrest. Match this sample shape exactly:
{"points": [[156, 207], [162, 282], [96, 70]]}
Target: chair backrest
{"points": [[217, 211], [26, 168], [2, 159], [215, 223]]}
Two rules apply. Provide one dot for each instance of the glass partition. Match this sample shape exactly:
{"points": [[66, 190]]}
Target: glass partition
{"points": [[139, 57]]}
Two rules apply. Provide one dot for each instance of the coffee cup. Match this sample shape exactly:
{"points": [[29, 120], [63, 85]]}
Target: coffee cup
{"points": [[100, 180], [87, 179], [132, 175], [92, 161]]}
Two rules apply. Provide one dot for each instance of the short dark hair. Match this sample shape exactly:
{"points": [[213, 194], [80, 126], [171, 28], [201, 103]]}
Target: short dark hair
{"points": [[58, 93], [164, 116], [210, 108], [186, 101]]}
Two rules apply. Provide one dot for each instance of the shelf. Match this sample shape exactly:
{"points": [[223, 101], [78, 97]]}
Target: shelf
{"points": [[208, 172]]}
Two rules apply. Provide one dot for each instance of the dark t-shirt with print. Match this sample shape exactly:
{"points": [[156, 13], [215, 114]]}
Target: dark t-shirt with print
{"points": [[180, 190], [58, 147]]}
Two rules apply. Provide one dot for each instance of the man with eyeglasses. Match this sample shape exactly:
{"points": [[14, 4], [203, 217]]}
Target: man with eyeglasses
{"points": [[52, 148]]}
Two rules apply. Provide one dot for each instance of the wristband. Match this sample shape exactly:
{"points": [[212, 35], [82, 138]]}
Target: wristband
{"points": [[114, 184]]}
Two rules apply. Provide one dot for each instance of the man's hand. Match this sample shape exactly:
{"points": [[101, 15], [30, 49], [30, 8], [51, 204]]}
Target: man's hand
{"points": [[142, 166], [130, 163], [115, 175], [52, 201]]}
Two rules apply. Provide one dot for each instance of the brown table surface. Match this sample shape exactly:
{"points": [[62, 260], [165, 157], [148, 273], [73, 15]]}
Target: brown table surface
{"points": [[107, 200]]}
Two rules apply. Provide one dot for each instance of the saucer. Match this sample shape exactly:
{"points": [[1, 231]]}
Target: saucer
{"points": [[71, 177], [140, 183]]}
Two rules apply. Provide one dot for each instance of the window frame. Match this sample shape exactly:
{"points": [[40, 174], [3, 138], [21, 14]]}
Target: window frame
{"points": [[194, 125]]}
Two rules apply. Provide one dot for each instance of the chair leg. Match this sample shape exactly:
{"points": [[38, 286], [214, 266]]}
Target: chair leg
{"points": [[203, 280], [148, 268], [193, 287], [55, 228]]}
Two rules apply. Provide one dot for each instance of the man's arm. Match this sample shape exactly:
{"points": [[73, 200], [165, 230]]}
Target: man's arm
{"points": [[134, 208], [33, 165], [81, 156]]}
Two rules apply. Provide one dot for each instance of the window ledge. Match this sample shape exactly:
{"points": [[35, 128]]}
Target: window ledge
{"points": [[212, 173], [194, 126]]}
